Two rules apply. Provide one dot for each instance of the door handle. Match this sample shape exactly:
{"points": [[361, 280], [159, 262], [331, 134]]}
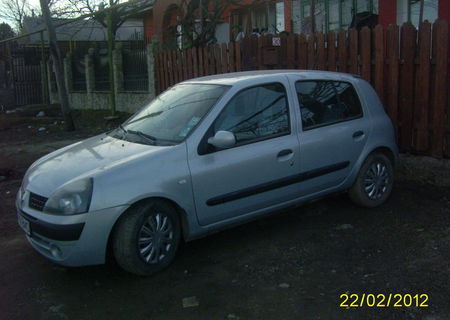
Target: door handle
{"points": [[358, 134], [284, 152]]}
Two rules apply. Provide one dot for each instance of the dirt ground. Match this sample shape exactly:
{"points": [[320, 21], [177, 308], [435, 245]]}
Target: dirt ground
{"points": [[292, 265]]}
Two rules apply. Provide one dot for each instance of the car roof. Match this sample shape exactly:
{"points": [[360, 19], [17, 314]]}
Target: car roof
{"points": [[234, 78]]}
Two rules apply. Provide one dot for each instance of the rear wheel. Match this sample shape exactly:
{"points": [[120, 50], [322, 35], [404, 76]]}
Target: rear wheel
{"points": [[374, 183], [146, 239]]}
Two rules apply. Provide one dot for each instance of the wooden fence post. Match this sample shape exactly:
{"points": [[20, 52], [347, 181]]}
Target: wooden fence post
{"points": [[321, 53], [366, 60], [392, 74], [379, 61], [422, 89], [407, 54], [302, 52], [151, 64], [331, 42], [353, 51], [440, 88], [342, 51]]}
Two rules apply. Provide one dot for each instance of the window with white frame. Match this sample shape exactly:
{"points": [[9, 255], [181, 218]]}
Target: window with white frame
{"points": [[331, 14]]}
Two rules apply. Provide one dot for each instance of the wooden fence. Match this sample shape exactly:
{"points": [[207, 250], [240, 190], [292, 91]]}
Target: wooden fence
{"points": [[409, 69]]}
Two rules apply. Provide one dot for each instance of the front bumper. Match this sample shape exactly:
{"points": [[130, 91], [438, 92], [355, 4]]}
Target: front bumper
{"points": [[77, 240]]}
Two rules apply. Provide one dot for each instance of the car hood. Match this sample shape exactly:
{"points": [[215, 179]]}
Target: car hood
{"points": [[85, 158]]}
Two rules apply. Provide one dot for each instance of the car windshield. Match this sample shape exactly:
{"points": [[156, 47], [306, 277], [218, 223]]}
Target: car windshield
{"points": [[173, 114]]}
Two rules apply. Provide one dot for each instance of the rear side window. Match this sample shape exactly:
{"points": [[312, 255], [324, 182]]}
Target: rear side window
{"points": [[327, 102]]}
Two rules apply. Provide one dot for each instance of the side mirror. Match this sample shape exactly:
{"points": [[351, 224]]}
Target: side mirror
{"points": [[223, 140]]}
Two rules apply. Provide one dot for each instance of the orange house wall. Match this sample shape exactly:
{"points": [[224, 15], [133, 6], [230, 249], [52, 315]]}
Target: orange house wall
{"points": [[148, 25]]}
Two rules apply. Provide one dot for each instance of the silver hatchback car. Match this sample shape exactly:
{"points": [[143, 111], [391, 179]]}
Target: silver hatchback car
{"points": [[206, 154]]}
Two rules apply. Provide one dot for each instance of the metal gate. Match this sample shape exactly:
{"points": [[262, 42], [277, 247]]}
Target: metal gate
{"points": [[27, 83]]}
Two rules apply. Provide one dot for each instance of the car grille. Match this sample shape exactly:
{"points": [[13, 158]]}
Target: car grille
{"points": [[37, 202]]}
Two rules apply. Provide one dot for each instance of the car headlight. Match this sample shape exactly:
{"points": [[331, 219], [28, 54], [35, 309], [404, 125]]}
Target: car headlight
{"points": [[71, 198]]}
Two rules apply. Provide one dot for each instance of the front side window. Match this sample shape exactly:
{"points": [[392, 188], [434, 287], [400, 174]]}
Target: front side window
{"points": [[256, 113], [327, 102], [173, 114]]}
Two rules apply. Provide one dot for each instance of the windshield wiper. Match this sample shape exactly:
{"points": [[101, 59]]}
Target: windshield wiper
{"points": [[122, 128], [142, 135]]}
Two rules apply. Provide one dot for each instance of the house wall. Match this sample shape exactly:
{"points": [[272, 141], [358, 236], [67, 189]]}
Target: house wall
{"points": [[149, 29], [387, 12], [444, 9], [390, 12]]}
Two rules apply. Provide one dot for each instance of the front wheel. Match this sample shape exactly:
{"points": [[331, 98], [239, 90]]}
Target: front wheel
{"points": [[374, 182], [146, 239]]}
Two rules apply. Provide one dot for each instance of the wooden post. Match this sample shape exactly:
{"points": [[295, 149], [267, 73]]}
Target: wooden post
{"points": [[440, 88], [379, 61], [407, 53], [422, 89], [392, 74]]}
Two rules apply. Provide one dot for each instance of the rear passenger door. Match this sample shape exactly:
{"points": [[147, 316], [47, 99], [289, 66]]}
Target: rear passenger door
{"points": [[334, 130]]}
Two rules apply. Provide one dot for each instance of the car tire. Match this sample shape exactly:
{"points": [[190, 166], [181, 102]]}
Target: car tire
{"points": [[147, 237], [374, 182]]}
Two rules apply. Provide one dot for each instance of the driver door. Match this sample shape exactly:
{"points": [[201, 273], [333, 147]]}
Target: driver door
{"points": [[255, 173]]}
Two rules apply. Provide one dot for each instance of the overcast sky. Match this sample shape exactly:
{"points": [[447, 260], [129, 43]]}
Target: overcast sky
{"points": [[33, 3]]}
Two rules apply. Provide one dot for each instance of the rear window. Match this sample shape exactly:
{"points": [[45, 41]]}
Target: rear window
{"points": [[327, 102]]}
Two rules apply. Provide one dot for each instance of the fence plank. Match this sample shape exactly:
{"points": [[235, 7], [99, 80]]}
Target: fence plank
{"points": [[164, 69], [407, 50], [237, 50], [190, 68], [175, 66], [218, 58], [162, 85], [171, 68], [180, 65], [393, 74], [379, 61], [194, 61], [311, 52], [261, 66], [157, 72], [200, 61], [440, 88], [231, 56], [212, 59], [422, 89], [290, 51], [224, 58], [184, 62], [342, 51], [331, 43], [206, 60], [321, 53], [353, 51], [302, 52], [366, 63]]}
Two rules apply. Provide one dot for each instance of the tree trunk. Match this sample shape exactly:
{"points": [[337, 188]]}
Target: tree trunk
{"points": [[313, 16], [421, 12], [57, 63], [111, 39]]}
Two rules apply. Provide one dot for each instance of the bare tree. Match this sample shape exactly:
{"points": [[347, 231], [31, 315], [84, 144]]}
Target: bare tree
{"points": [[200, 18], [6, 31], [15, 11], [58, 65]]}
